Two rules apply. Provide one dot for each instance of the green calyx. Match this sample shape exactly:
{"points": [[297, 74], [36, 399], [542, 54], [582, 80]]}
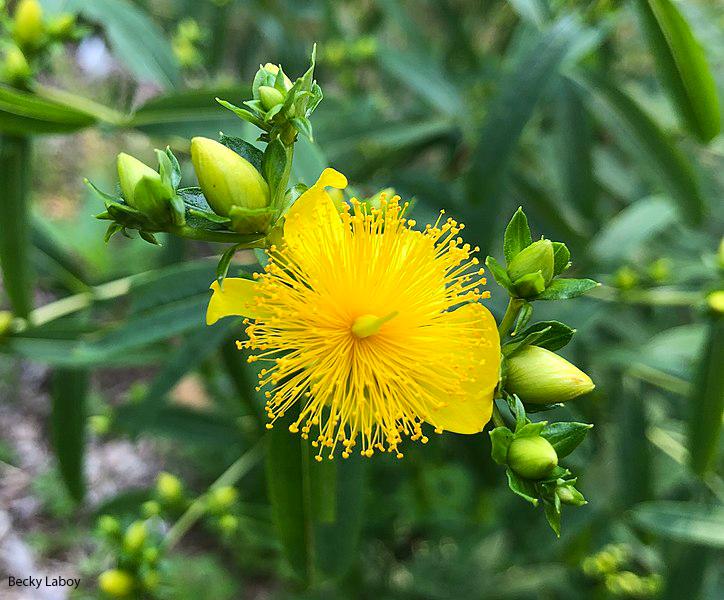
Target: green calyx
{"points": [[535, 259], [144, 189]]}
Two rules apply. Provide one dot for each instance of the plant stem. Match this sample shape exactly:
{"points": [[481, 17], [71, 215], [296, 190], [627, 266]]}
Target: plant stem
{"points": [[511, 314], [227, 237], [193, 513]]}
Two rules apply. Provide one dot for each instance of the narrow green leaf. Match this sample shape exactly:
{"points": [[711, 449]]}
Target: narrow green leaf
{"points": [[648, 143], [517, 235], [565, 436], [563, 289], [682, 521], [682, 66], [521, 487], [553, 514], [15, 168], [499, 274], [68, 423], [24, 113], [555, 336], [707, 401]]}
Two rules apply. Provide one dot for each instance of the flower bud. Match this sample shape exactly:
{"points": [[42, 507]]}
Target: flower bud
{"points": [[536, 257], [116, 583], [270, 96], [150, 555], [532, 457], [715, 300], [6, 322], [625, 278], [568, 494], [222, 499], [226, 178], [15, 66], [28, 25], [109, 526], [539, 376], [135, 536], [273, 70], [169, 487], [62, 26], [142, 187], [228, 524], [99, 424], [151, 508]]}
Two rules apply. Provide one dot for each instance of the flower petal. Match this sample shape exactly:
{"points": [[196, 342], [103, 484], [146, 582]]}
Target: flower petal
{"points": [[313, 216], [235, 298], [473, 411]]}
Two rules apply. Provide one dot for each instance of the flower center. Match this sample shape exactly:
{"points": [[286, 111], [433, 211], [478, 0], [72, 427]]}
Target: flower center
{"points": [[367, 325]]}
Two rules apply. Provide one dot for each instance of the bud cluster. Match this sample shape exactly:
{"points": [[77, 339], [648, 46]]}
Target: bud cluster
{"points": [[612, 566], [29, 38]]}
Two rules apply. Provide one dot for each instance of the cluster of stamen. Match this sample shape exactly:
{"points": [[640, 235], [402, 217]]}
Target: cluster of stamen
{"points": [[359, 341]]}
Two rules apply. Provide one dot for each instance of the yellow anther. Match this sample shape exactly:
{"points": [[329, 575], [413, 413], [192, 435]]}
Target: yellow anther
{"points": [[367, 325]]}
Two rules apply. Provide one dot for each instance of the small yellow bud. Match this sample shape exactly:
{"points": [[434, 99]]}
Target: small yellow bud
{"points": [[6, 322], [532, 457], [62, 26], [116, 583], [142, 187], [151, 508], [540, 376], [626, 278], [169, 487], [15, 66], [226, 178], [28, 29], [270, 96], [715, 300], [222, 499], [109, 526], [228, 523], [536, 257], [135, 536], [274, 69], [99, 424]]}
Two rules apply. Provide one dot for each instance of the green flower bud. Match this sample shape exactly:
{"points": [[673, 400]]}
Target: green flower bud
{"points": [[15, 68], [116, 583], [150, 555], [99, 424], [273, 70], [715, 300], [62, 26], [539, 376], [626, 278], [270, 96], [536, 257], [222, 499], [6, 322], [169, 488], [151, 508], [28, 28], [135, 536], [228, 523], [568, 494], [226, 178], [143, 188], [532, 457], [109, 526]]}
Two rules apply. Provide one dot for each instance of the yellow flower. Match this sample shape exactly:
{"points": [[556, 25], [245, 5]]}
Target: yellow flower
{"points": [[369, 327]]}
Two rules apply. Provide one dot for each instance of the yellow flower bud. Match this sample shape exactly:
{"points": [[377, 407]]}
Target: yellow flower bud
{"points": [[532, 457], [274, 69], [151, 508], [116, 583], [135, 536], [62, 26], [15, 67], [270, 96], [6, 322], [169, 487], [226, 178], [28, 26], [222, 498], [715, 300], [540, 376], [536, 257], [142, 186]]}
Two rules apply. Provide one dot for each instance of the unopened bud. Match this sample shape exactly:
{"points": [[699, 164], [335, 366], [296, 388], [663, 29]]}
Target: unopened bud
{"points": [[274, 70], [228, 523], [151, 508], [532, 457], [568, 494], [109, 526], [15, 66], [6, 322], [222, 499], [715, 300], [116, 583], [62, 26], [539, 376], [142, 187], [270, 96], [226, 178], [150, 555], [536, 257], [99, 424], [169, 487], [135, 536], [626, 278], [28, 26]]}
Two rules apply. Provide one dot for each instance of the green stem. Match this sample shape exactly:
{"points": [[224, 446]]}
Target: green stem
{"points": [[198, 507], [511, 314], [227, 237]]}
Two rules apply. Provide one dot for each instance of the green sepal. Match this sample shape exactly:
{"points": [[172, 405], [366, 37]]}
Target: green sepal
{"points": [[530, 429], [522, 487], [517, 235], [527, 338], [242, 113], [251, 220], [526, 312], [500, 438], [561, 258], [565, 436], [103, 195], [564, 289], [553, 514], [149, 237], [530, 285], [224, 262], [499, 274], [113, 229]]}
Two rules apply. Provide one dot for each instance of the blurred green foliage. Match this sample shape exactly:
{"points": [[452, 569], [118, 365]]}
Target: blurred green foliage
{"points": [[600, 117]]}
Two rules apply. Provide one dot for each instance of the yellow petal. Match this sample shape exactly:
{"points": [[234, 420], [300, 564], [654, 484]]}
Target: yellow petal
{"points": [[235, 298], [313, 217], [472, 411]]}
